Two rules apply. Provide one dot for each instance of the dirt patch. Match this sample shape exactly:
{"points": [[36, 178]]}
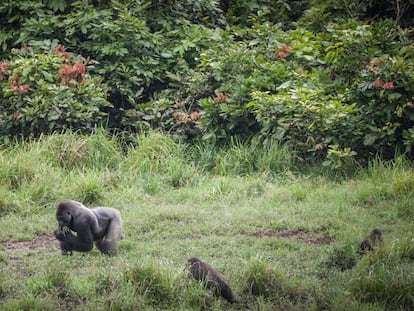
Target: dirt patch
{"points": [[41, 243], [300, 235]]}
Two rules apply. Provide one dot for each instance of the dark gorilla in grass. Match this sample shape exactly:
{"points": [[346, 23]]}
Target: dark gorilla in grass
{"points": [[204, 273], [368, 244], [101, 225]]}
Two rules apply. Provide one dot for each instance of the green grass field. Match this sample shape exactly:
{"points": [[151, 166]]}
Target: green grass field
{"points": [[285, 238]]}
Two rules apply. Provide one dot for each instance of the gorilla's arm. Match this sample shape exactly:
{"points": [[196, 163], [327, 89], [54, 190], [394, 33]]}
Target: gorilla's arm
{"points": [[82, 242]]}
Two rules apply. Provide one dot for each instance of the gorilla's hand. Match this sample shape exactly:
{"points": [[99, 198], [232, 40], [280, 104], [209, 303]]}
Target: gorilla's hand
{"points": [[66, 252], [61, 233]]}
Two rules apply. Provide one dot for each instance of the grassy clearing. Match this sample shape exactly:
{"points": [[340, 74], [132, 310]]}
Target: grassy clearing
{"points": [[285, 240]]}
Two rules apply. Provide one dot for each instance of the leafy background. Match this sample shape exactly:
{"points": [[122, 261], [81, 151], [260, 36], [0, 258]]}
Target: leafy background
{"points": [[332, 79], [206, 123]]}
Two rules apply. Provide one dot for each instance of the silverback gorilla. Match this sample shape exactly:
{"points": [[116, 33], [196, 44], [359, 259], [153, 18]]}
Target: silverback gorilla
{"points": [[101, 225]]}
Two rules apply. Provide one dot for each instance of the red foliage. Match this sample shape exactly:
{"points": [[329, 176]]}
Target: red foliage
{"points": [[195, 115], [220, 98], [377, 83], [60, 51], [16, 115], [388, 86], [69, 75], [3, 70], [16, 88], [283, 51], [286, 48]]}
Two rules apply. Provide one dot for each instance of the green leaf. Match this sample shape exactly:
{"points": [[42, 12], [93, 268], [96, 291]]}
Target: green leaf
{"points": [[167, 54], [393, 96], [369, 139]]}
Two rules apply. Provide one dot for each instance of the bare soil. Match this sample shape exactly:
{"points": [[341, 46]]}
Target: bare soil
{"points": [[300, 235], [41, 243], [49, 243]]}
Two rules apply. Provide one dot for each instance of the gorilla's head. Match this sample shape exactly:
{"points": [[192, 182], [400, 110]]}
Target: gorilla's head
{"points": [[64, 214]]}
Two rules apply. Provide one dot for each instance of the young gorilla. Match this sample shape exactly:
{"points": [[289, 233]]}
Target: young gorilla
{"points": [[369, 242], [101, 225], [204, 273]]}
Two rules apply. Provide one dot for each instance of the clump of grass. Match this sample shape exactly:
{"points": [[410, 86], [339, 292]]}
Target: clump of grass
{"points": [[342, 258], [89, 189], [261, 280], [242, 158], [56, 283], [405, 207], [274, 157], [151, 184], [107, 283], [181, 174], [126, 299], [386, 276], [250, 158], [8, 203], [73, 150], [202, 154], [195, 295], [23, 175], [237, 159], [154, 285], [158, 155], [403, 183], [153, 153], [30, 303], [16, 168]]}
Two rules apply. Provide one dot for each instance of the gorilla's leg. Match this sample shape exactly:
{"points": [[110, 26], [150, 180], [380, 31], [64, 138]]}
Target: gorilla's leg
{"points": [[108, 244], [105, 247]]}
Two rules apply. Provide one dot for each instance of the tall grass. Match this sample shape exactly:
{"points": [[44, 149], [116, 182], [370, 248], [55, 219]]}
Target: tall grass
{"points": [[244, 158], [286, 238]]}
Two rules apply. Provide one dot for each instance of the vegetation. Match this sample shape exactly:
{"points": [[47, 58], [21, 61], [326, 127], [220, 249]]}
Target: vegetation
{"points": [[333, 79], [286, 239], [265, 137]]}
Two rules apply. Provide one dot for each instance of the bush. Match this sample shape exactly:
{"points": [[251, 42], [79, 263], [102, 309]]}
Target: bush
{"points": [[323, 80], [318, 92], [43, 92], [377, 62]]}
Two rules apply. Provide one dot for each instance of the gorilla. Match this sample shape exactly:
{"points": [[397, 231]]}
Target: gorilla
{"points": [[204, 273], [368, 244], [101, 225]]}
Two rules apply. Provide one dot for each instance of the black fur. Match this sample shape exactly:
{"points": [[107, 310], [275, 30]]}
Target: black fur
{"points": [[101, 225], [374, 239]]}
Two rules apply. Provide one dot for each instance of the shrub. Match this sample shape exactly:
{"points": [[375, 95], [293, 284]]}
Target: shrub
{"points": [[377, 62], [305, 118], [43, 92]]}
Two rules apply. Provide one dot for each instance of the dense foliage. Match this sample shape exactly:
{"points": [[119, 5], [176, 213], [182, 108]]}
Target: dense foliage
{"points": [[333, 79], [48, 91]]}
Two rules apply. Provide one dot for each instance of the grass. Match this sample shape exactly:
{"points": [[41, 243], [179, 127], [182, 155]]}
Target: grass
{"points": [[285, 240]]}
